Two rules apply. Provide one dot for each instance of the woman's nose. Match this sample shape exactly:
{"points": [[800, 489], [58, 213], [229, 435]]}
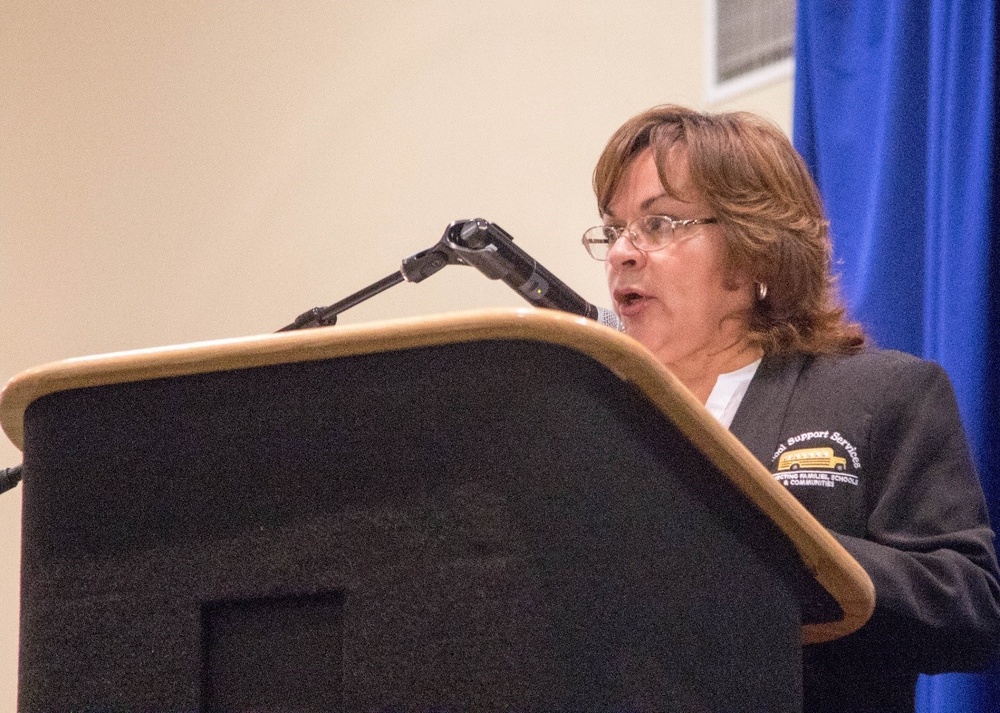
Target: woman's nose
{"points": [[623, 251]]}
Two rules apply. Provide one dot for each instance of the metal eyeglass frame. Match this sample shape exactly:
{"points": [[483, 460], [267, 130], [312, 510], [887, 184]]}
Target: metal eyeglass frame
{"points": [[629, 232]]}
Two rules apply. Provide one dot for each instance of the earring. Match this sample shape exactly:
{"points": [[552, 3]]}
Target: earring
{"points": [[761, 290]]}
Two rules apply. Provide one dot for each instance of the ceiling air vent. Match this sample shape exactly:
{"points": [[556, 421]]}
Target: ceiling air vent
{"points": [[752, 42]]}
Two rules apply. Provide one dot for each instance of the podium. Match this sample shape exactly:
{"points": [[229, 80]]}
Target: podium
{"points": [[514, 510]]}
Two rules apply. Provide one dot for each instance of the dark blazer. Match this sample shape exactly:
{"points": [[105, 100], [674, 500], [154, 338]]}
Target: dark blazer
{"points": [[873, 446]]}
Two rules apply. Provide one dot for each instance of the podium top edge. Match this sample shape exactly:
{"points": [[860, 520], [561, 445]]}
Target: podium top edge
{"points": [[610, 348], [820, 552]]}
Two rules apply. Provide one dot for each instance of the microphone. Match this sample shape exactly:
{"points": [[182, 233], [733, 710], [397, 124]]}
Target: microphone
{"points": [[491, 250]]}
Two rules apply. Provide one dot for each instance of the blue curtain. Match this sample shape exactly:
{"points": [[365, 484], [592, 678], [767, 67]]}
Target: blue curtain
{"points": [[895, 113]]}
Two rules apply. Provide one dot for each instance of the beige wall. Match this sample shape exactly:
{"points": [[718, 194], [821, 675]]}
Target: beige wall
{"points": [[189, 170]]}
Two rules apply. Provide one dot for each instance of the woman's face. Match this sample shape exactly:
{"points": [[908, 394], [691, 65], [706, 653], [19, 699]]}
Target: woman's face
{"points": [[679, 301]]}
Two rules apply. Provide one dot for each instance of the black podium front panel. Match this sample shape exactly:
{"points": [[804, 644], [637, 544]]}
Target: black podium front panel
{"points": [[494, 526]]}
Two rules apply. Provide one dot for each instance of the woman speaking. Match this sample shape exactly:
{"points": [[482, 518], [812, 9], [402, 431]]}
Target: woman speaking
{"points": [[718, 260]]}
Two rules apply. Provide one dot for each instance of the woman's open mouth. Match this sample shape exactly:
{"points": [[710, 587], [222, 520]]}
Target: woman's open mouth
{"points": [[628, 300], [628, 297]]}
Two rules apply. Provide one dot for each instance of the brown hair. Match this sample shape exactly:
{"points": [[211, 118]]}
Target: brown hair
{"points": [[769, 208]]}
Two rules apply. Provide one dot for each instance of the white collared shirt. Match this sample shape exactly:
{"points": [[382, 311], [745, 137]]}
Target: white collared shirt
{"points": [[728, 393]]}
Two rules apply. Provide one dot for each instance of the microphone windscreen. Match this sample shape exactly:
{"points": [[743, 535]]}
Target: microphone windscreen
{"points": [[609, 319]]}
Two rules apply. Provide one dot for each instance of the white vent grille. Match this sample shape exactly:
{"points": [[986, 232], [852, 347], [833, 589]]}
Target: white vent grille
{"points": [[752, 42]]}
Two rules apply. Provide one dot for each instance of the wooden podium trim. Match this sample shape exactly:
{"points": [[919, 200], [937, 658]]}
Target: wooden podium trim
{"points": [[822, 555]]}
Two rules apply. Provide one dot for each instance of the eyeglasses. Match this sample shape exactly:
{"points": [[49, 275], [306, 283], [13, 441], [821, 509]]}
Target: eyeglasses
{"points": [[648, 233]]}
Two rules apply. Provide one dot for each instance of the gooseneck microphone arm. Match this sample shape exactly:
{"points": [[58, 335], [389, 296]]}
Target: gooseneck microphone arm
{"points": [[415, 268], [327, 316], [488, 248], [9, 478]]}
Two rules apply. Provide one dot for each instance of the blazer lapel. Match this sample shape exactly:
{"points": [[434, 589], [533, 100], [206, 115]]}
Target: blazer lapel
{"points": [[758, 421]]}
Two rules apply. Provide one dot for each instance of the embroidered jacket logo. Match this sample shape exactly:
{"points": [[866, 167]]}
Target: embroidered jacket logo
{"points": [[816, 459], [811, 458]]}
